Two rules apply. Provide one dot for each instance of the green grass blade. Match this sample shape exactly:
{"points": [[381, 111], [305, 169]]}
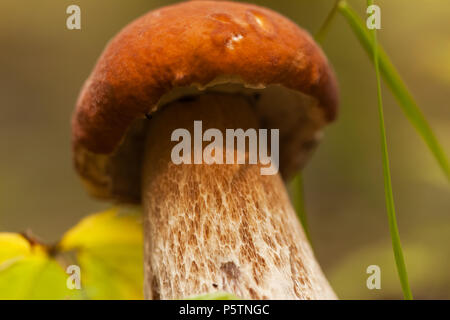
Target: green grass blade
{"points": [[398, 252], [320, 35], [214, 296], [397, 86], [299, 202]]}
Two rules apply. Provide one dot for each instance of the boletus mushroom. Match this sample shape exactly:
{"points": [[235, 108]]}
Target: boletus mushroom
{"points": [[208, 226]]}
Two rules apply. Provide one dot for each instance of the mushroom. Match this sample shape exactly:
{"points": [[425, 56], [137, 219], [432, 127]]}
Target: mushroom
{"points": [[208, 227]]}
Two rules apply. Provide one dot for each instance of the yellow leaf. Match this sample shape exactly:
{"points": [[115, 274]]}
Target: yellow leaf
{"points": [[109, 251], [13, 246], [115, 226], [28, 272]]}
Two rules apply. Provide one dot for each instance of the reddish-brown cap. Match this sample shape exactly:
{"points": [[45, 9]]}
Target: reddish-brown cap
{"points": [[200, 44]]}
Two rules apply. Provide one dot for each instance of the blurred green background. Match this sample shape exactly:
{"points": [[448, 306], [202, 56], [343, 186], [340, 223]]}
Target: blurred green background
{"points": [[43, 65]]}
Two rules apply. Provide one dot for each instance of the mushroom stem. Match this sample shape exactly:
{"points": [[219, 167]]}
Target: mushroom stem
{"points": [[220, 227]]}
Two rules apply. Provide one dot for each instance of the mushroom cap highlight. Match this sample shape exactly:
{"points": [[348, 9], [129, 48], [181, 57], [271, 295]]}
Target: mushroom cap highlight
{"points": [[190, 48]]}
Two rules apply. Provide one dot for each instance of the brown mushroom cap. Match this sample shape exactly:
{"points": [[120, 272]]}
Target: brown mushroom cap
{"points": [[193, 46]]}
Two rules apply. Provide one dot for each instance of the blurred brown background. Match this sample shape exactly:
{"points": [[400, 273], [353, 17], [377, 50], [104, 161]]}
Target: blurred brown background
{"points": [[43, 65]]}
